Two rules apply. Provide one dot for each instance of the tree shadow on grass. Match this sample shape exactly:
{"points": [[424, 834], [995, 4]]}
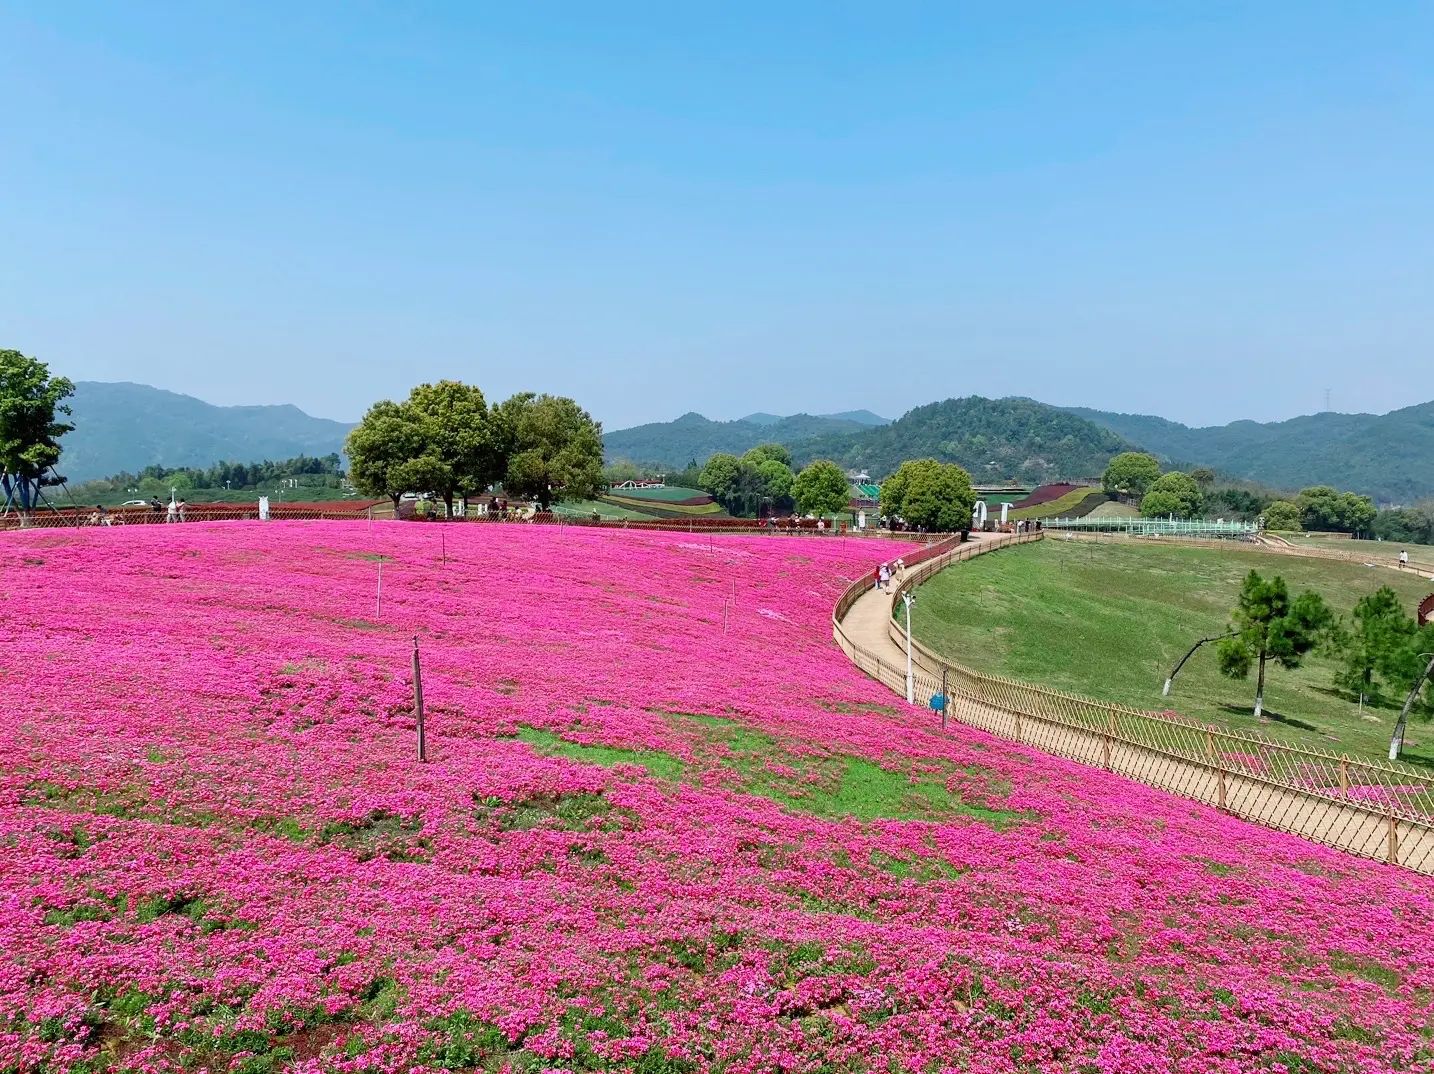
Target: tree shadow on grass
{"points": [[1418, 760], [1369, 702], [1272, 716]]}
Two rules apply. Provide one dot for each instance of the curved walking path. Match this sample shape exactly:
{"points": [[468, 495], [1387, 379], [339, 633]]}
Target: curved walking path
{"points": [[869, 637]]}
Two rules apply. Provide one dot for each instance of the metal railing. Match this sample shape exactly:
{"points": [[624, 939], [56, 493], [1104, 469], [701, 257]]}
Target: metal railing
{"points": [[1157, 527], [1378, 810]]}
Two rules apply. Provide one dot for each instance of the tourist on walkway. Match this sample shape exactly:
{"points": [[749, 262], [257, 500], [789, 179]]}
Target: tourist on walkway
{"points": [[172, 514], [883, 578], [182, 506], [1403, 559]]}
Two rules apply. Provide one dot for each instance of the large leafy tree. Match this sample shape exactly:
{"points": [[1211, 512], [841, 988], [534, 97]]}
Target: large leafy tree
{"points": [[821, 489], [1268, 625], [777, 479], [1376, 640], [1282, 515], [381, 447], [463, 445], [1130, 474], [1172, 494], [1325, 508], [930, 495], [554, 448], [32, 403], [719, 476]]}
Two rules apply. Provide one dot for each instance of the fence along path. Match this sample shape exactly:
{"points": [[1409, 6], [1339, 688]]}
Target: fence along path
{"points": [[1377, 810]]}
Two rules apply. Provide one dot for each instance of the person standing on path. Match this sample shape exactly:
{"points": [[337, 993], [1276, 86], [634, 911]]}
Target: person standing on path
{"points": [[1403, 559], [172, 513]]}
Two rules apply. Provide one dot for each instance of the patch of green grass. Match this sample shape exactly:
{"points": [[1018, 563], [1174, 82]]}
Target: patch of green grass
{"points": [[1108, 619], [659, 765], [1367, 969], [380, 833], [582, 811], [835, 785], [825, 785]]}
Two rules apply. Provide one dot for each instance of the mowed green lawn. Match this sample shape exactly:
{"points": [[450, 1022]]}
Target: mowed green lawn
{"points": [[1107, 619]]}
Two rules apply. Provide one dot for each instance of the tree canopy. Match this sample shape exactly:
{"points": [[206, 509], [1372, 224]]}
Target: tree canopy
{"points": [[1282, 515], [32, 403], [930, 495], [821, 489], [1268, 625], [444, 439], [1381, 629], [554, 448], [1325, 508], [768, 453], [745, 486], [1172, 494], [1130, 474]]}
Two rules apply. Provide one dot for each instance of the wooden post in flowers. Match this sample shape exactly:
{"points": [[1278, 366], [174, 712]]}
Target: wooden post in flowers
{"points": [[378, 595], [1392, 847], [418, 703]]}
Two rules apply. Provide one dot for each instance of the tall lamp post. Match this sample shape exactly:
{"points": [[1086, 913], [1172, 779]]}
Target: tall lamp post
{"points": [[909, 600]]}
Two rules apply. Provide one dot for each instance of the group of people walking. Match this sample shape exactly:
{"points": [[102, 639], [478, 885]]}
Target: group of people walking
{"points": [[887, 571]]}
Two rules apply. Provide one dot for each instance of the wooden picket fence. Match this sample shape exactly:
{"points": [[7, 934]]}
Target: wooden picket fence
{"points": [[1378, 810]]}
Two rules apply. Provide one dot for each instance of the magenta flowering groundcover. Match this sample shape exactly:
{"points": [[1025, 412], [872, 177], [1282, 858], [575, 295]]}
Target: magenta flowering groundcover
{"points": [[665, 827]]}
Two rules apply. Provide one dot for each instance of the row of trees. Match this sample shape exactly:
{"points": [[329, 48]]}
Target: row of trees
{"points": [[1321, 507], [156, 480], [1382, 650], [923, 493], [446, 440], [761, 481], [1136, 477]]}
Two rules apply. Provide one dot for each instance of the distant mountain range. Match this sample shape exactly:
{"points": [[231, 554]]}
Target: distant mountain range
{"points": [[673, 444], [125, 426], [1387, 456]]}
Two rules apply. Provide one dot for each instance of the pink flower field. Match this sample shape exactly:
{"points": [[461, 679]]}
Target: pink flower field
{"points": [[655, 834]]}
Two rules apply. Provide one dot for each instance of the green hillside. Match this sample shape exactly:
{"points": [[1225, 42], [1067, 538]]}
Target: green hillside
{"points": [[126, 427], [1109, 619], [1387, 456], [994, 439], [673, 444]]}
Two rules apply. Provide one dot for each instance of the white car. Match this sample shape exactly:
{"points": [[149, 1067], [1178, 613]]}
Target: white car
{"points": [[135, 503]]}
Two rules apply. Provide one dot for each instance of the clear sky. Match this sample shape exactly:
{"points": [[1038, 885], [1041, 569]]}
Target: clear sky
{"points": [[1208, 211]]}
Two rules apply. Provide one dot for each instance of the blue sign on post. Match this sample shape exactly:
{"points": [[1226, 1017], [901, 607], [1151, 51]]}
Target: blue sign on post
{"points": [[938, 702]]}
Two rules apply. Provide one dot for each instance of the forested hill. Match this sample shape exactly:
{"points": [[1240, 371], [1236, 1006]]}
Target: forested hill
{"points": [[1387, 456], [993, 439], [674, 444], [121, 426]]}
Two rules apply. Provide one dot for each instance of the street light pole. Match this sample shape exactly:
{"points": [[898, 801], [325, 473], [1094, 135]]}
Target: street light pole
{"points": [[909, 600]]}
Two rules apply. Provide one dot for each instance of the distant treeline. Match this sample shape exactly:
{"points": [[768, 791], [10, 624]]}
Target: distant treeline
{"points": [[324, 471]]}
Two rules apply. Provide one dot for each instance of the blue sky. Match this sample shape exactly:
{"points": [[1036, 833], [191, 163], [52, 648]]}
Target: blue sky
{"points": [[1206, 211]]}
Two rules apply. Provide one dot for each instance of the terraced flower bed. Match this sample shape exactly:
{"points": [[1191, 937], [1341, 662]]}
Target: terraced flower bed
{"points": [[662, 830]]}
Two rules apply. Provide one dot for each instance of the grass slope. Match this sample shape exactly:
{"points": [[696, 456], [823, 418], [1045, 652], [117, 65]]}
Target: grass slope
{"points": [[1109, 619]]}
